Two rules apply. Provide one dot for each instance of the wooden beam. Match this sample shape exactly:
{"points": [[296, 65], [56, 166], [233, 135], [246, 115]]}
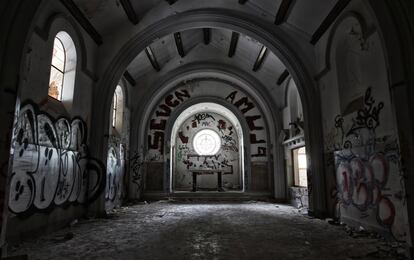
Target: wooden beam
{"points": [[283, 77], [233, 43], [284, 11], [129, 78], [82, 20], [329, 20], [130, 12], [260, 58], [171, 1], [179, 44], [152, 58], [207, 35], [242, 2]]}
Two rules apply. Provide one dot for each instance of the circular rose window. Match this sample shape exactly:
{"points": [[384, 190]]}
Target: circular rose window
{"points": [[206, 142]]}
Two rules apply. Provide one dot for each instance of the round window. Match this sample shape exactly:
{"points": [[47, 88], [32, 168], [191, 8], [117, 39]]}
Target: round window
{"points": [[206, 142]]}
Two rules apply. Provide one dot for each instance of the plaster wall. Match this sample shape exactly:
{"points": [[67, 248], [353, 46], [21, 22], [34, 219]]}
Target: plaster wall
{"points": [[53, 179], [363, 166], [228, 158]]}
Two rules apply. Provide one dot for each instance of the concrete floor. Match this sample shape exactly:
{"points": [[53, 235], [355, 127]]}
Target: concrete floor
{"points": [[167, 230]]}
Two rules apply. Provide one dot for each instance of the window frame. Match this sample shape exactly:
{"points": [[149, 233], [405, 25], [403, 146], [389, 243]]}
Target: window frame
{"points": [[114, 109], [295, 162], [59, 98]]}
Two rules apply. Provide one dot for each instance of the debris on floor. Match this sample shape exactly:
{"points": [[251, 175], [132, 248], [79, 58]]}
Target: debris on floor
{"points": [[209, 230]]}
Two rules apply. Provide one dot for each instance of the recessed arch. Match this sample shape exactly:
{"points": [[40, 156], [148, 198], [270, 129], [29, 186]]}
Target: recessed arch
{"points": [[224, 75], [205, 106], [63, 69]]}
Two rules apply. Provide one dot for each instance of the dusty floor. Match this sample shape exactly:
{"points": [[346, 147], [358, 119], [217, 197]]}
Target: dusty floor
{"points": [[166, 230]]}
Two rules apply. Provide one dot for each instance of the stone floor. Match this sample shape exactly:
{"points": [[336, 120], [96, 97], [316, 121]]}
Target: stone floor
{"points": [[213, 230]]}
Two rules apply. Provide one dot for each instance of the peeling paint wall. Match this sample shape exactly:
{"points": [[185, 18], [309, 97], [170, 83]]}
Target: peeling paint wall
{"points": [[364, 175]]}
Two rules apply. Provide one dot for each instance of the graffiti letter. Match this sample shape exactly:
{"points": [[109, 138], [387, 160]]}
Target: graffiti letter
{"points": [[232, 96], [246, 103], [184, 93], [158, 126], [169, 101], [250, 121], [166, 112], [261, 152], [158, 143], [253, 139], [184, 139]]}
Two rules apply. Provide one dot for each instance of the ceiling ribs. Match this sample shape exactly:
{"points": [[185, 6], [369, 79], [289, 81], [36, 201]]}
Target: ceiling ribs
{"points": [[82, 20], [260, 58], [130, 12], [284, 11], [207, 35], [283, 77], [152, 58], [129, 78], [233, 43], [328, 21], [179, 44]]}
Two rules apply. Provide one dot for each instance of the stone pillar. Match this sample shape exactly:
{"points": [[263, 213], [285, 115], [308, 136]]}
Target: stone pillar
{"points": [[14, 25]]}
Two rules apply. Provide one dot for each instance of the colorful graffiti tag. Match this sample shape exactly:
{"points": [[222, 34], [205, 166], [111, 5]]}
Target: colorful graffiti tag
{"points": [[369, 179]]}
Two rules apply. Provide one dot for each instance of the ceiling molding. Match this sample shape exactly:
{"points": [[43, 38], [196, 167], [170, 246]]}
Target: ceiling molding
{"points": [[82, 20], [130, 12], [233, 43], [206, 35], [284, 11], [260, 58], [329, 20], [179, 44], [283, 77], [152, 58], [129, 78]]}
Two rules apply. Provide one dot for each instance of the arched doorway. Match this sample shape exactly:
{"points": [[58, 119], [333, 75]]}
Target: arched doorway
{"points": [[207, 151]]}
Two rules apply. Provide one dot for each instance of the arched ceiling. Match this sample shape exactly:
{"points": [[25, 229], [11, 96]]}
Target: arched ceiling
{"points": [[249, 56], [113, 25], [303, 16]]}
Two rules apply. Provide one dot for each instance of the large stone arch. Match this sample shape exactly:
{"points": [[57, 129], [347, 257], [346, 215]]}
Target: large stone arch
{"points": [[272, 37]]}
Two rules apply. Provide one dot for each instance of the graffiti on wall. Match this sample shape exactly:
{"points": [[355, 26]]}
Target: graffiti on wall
{"points": [[158, 123], [115, 168], [369, 179], [51, 166], [136, 163], [244, 104], [226, 160], [252, 116]]}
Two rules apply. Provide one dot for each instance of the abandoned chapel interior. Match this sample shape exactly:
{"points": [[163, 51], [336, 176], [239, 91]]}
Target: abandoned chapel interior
{"points": [[207, 129]]}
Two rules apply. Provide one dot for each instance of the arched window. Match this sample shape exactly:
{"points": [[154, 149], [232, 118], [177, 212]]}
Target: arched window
{"points": [[114, 108], [117, 109], [57, 70], [63, 69]]}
